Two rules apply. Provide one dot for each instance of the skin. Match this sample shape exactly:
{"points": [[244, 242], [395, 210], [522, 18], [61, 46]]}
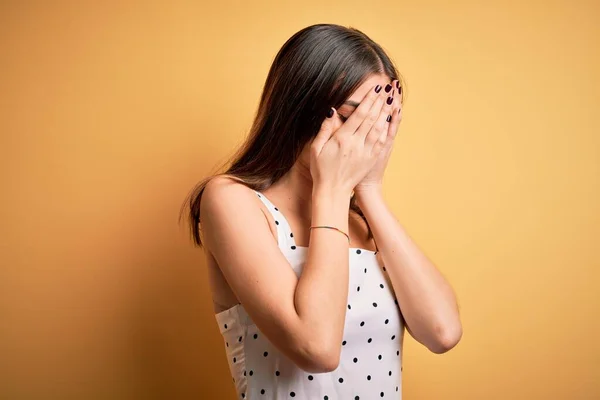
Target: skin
{"points": [[304, 317]]}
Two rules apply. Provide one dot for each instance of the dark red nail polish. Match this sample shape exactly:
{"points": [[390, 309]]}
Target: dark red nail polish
{"points": [[399, 90], [390, 99], [388, 87], [377, 88], [398, 84], [330, 113], [389, 118]]}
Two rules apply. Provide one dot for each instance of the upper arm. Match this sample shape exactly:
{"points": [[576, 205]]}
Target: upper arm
{"points": [[237, 234]]}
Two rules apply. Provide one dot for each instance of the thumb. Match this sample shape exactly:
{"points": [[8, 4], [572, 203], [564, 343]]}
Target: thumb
{"points": [[324, 134]]}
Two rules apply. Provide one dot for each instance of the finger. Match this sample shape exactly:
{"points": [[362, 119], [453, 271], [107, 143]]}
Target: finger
{"points": [[374, 112], [396, 117], [380, 144], [337, 124], [386, 140], [326, 131], [379, 129], [395, 122], [361, 112], [400, 91]]}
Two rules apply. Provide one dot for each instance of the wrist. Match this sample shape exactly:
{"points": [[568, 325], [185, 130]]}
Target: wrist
{"points": [[335, 194], [367, 193], [330, 207]]}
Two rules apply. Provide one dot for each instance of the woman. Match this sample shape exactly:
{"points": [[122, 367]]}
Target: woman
{"points": [[312, 277]]}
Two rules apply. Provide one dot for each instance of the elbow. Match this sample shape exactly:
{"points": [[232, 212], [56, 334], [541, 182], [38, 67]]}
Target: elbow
{"points": [[446, 339], [326, 362], [319, 358]]}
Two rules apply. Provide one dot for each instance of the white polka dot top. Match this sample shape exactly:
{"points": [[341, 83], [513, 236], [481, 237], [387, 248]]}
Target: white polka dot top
{"points": [[371, 356]]}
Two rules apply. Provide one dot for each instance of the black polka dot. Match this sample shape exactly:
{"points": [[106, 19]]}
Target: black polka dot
{"points": [[341, 380], [243, 395], [326, 398], [255, 336], [291, 235], [266, 353], [362, 323], [293, 247], [277, 373], [379, 356], [276, 222], [227, 343], [349, 308], [225, 326], [365, 270], [276, 209], [356, 398], [390, 373], [381, 285], [358, 251], [292, 394], [355, 360], [234, 359], [370, 340], [374, 304], [396, 301], [393, 337], [344, 343], [240, 339], [262, 391], [258, 195], [383, 269], [387, 320], [396, 388], [251, 372], [310, 378], [398, 352], [368, 377], [381, 394], [358, 289]]}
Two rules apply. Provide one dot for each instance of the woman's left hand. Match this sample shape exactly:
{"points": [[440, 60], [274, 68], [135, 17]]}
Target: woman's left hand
{"points": [[374, 178]]}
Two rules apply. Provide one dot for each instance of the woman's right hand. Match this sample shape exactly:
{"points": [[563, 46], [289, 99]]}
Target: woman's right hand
{"points": [[340, 156]]}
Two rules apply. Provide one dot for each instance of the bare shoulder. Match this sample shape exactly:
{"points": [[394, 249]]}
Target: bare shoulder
{"points": [[225, 187], [225, 193], [225, 201]]}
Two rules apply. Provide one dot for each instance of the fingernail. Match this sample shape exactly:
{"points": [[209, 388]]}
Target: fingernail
{"points": [[377, 88], [390, 99], [388, 87], [398, 84], [389, 118], [399, 90], [330, 113]]}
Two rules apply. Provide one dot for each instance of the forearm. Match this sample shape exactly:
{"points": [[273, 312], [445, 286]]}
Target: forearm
{"points": [[426, 299], [322, 289]]}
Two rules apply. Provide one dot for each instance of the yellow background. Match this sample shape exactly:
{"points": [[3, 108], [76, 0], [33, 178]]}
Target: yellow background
{"points": [[111, 111]]}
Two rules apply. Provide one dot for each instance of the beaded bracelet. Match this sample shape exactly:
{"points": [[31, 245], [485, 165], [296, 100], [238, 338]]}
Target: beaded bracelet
{"points": [[332, 227]]}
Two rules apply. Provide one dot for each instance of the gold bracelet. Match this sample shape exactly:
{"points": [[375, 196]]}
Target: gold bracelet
{"points": [[332, 227]]}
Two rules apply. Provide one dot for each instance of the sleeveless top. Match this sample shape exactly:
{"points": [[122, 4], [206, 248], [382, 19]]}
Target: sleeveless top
{"points": [[371, 357]]}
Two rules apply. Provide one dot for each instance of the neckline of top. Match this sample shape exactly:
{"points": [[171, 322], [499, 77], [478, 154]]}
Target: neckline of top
{"points": [[360, 249]]}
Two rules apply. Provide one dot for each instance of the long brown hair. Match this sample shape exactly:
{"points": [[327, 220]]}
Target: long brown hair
{"points": [[319, 67]]}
